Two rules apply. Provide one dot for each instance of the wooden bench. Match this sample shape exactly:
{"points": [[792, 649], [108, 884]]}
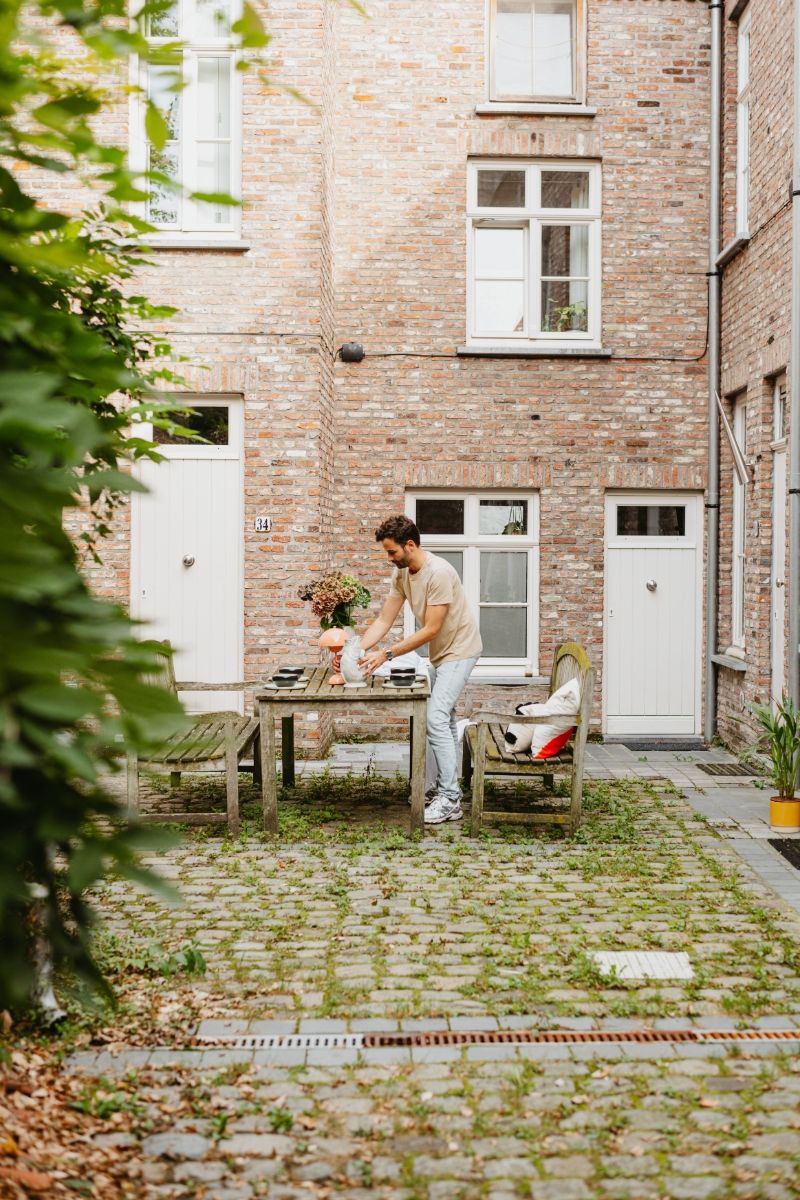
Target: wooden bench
{"points": [[212, 740], [486, 752]]}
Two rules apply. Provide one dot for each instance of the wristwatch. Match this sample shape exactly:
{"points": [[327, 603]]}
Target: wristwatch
{"points": [[389, 655]]}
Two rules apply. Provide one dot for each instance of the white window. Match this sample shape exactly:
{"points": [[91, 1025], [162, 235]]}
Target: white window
{"points": [[743, 125], [492, 540], [533, 255], [202, 151], [534, 49], [738, 534], [779, 409]]}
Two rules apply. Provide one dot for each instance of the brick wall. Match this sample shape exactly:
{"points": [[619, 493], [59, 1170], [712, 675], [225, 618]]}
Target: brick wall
{"points": [[355, 218], [756, 288]]}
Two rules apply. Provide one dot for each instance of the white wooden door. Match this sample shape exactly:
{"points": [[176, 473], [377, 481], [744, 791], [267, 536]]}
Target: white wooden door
{"points": [[778, 620], [187, 548], [653, 607]]}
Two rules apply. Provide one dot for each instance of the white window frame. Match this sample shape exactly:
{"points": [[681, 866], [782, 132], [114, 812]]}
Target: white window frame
{"points": [[738, 532], [531, 218], [779, 399], [578, 62], [471, 544], [191, 221], [743, 125]]}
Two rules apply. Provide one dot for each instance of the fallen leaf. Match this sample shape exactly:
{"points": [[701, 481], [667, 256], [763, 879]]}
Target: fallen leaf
{"points": [[34, 1181], [9, 1146], [708, 1102]]}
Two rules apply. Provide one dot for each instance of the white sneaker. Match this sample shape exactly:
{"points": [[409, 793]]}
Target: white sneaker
{"points": [[430, 796], [441, 809]]}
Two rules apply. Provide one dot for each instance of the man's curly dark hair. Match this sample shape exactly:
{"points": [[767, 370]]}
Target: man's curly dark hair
{"points": [[400, 529]]}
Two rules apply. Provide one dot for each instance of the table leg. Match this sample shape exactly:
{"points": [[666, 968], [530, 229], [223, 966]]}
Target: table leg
{"points": [[269, 777], [418, 730], [287, 750]]}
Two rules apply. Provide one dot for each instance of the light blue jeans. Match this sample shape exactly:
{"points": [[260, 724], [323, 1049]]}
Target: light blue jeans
{"points": [[447, 683]]}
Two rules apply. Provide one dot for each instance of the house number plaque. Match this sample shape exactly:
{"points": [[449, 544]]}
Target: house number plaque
{"points": [[262, 524]]}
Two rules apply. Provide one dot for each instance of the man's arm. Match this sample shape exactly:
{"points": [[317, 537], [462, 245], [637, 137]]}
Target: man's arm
{"points": [[434, 619], [382, 623]]}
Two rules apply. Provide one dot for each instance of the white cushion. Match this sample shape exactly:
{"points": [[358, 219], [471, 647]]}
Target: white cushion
{"points": [[545, 741]]}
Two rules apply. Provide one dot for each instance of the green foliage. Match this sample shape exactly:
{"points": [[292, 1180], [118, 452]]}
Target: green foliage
{"points": [[80, 363], [101, 1099], [782, 738]]}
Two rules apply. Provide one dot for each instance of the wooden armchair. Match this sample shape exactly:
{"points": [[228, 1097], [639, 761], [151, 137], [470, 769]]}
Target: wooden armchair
{"points": [[486, 752], [212, 740]]}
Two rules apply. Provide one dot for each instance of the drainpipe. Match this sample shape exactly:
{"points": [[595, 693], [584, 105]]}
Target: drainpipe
{"points": [[712, 490], [793, 578]]}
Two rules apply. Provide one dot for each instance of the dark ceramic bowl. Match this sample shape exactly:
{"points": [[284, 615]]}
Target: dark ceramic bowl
{"points": [[289, 671], [402, 680], [283, 681], [401, 672]]}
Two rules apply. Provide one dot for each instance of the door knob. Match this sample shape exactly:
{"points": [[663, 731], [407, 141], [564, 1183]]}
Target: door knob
{"points": [[188, 560], [651, 585], [780, 583]]}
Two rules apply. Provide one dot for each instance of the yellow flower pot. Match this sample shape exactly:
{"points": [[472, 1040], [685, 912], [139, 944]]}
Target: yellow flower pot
{"points": [[784, 815]]}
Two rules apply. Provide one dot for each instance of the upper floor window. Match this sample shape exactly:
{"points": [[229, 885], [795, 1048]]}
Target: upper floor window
{"points": [[779, 409], [196, 91], [533, 253], [492, 540], [743, 125], [534, 49]]}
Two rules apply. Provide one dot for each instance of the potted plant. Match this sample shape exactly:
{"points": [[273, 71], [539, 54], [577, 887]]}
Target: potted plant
{"points": [[782, 738], [333, 598]]}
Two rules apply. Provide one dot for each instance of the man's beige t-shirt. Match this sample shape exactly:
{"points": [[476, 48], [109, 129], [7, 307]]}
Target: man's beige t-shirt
{"points": [[437, 582]]}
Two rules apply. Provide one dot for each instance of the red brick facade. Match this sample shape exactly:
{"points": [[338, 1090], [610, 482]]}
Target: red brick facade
{"points": [[756, 289], [354, 220]]}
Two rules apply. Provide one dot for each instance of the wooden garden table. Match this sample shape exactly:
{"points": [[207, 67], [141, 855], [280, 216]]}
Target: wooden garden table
{"points": [[318, 694]]}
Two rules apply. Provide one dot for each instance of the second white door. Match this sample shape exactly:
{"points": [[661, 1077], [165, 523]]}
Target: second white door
{"points": [[653, 614]]}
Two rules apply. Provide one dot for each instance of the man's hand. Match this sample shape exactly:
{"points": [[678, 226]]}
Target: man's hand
{"points": [[370, 662]]}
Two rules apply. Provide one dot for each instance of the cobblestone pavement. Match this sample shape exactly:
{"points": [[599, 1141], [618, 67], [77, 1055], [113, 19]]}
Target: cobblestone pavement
{"points": [[355, 925]]}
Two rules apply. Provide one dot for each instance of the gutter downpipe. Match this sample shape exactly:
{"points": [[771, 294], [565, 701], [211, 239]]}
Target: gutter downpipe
{"points": [[714, 273], [793, 580]]}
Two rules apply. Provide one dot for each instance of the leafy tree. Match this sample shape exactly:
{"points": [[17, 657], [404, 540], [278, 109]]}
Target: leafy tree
{"points": [[76, 363]]}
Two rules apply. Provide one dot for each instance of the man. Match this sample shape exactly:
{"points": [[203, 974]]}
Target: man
{"points": [[433, 589]]}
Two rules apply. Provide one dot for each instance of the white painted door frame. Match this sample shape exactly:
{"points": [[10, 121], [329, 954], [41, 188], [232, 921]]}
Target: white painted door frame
{"points": [[778, 574], [232, 453], [692, 540]]}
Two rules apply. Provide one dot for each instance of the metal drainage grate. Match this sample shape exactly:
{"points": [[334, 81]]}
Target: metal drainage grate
{"points": [[285, 1041], [370, 1041], [729, 769]]}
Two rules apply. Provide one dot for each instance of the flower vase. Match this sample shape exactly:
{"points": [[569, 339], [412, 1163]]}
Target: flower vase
{"points": [[333, 640]]}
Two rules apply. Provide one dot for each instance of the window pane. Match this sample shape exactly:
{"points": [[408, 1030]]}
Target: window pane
{"points": [[501, 189], [165, 24], [503, 517], [214, 175], [440, 516], [513, 48], [553, 39], [162, 205], [211, 422], [504, 632], [213, 98], [162, 79], [565, 189], [565, 250], [499, 307], [565, 306], [651, 520], [499, 253], [504, 577], [212, 19]]}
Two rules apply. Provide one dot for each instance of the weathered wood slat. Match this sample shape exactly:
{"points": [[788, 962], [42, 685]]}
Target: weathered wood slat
{"points": [[527, 818], [185, 818]]}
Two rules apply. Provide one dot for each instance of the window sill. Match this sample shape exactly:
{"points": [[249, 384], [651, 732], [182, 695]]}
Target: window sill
{"points": [[490, 351], [501, 108], [232, 245], [729, 662], [729, 252]]}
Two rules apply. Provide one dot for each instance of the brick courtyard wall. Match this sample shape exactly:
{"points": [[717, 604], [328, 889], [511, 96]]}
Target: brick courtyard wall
{"points": [[756, 303], [355, 220], [415, 415]]}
